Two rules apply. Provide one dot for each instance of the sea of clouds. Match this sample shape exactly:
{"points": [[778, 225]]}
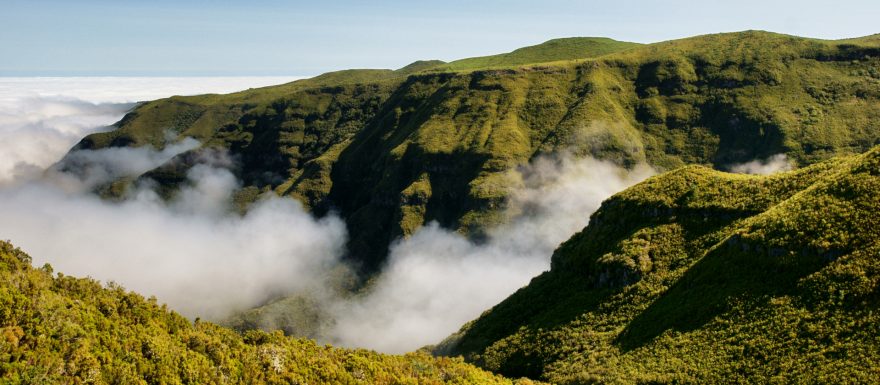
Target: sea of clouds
{"points": [[205, 260], [41, 118]]}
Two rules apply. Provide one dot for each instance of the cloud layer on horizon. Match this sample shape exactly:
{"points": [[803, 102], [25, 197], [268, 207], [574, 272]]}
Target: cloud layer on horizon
{"points": [[42, 118]]}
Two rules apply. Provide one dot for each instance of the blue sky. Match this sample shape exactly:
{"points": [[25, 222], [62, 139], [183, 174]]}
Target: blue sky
{"points": [[272, 37]]}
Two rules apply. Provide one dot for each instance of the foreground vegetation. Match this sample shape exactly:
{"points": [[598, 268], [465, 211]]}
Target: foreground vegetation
{"points": [[66, 330], [433, 141], [698, 276]]}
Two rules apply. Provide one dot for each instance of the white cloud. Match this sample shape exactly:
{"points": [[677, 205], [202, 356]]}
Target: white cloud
{"points": [[437, 280], [42, 118], [771, 165], [201, 265], [190, 252], [127, 89], [85, 169]]}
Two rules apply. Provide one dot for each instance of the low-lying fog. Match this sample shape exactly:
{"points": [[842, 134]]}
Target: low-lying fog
{"points": [[200, 258]]}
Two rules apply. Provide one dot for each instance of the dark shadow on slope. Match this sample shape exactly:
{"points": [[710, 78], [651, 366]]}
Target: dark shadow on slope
{"points": [[279, 138], [374, 225], [734, 271], [357, 190], [578, 284], [370, 174], [742, 138], [549, 301]]}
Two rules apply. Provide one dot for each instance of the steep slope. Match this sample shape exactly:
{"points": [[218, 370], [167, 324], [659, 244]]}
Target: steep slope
{"points": [[68, 330], [392, 150], [697, 276]]}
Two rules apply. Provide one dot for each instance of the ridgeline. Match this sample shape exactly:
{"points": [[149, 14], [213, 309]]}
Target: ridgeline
{"points": [[433, 141]]}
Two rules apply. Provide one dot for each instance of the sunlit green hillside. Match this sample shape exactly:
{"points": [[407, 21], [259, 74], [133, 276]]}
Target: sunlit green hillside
{"points": [[698, 276]]}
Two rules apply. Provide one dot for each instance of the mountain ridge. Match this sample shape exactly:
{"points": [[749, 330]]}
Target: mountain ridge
{"points": [[361, 142]]}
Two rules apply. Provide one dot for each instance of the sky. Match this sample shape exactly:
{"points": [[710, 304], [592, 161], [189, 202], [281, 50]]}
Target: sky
{"points": [[273, 37]]}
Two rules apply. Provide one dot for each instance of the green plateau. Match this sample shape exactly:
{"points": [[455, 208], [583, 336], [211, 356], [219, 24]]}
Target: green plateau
{"points": [[700, 276], [391, 150]]}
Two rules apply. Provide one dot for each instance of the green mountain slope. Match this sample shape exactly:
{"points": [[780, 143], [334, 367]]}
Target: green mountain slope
{"points": [[65, 330], [552, 50], [392, 150], [698, 276]]}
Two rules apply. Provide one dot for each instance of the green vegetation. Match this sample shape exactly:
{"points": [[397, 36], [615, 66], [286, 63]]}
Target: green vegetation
{"points": [[391, 150], [65, 330], [694, 276], [698, 276], [550, 51]]}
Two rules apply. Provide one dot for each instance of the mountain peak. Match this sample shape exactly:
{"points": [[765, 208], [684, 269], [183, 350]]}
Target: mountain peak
{"points": [[420, 65]]}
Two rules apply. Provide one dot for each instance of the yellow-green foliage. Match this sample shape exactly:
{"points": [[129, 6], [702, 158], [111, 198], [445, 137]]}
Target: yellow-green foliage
{"points": [[413, 201], [65, 330], [698, 276], [355, 140]]}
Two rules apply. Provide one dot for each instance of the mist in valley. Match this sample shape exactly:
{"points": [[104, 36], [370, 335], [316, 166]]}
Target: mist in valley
{"points": [[202, 258]]}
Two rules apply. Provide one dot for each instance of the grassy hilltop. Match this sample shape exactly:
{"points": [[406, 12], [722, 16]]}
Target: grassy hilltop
{"points": [[699, 276], [391, 150]]}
